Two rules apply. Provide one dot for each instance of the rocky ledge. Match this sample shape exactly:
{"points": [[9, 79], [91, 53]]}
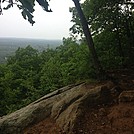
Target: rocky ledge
{"points": [[64, 106]]}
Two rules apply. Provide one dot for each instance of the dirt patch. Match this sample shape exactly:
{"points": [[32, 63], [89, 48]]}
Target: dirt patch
{"points": [[110, 119], [47, 126]]}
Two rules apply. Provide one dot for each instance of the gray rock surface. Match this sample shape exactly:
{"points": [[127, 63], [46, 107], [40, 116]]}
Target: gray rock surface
{"points": [[64, 106]]}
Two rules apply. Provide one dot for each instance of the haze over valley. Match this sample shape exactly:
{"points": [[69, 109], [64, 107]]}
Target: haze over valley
{"points": [[9, 45]]}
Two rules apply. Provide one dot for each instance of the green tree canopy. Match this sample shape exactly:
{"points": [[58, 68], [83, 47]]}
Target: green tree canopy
{"points": [[111, 24]]}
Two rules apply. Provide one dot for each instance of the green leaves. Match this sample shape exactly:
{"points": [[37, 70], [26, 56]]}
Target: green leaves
{"points": [[44, 4], [29, 74], [27, 7], [111, 24], [27, 15], [9, 5]]}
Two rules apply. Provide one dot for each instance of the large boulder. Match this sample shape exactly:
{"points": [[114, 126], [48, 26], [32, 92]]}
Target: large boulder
{"points": [[64, 106]]}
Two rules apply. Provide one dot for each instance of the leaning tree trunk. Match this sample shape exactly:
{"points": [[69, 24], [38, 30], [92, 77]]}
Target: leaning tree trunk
{"points": [[120, 50], [89, 39]]}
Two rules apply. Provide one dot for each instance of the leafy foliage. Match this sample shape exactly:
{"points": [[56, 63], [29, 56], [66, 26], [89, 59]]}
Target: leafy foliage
{"points": [[111, 24], [29, 74], [26, 6]]}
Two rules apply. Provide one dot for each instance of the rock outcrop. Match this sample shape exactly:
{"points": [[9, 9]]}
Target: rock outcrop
{"points": [[64, 106]]}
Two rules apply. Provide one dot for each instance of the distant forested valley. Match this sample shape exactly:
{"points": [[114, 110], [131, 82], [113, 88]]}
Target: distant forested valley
{"points": [[8, 46]]}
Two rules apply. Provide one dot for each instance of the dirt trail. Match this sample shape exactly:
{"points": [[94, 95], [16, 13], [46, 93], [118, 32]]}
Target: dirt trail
{"points": [[115, 119], [47, 126]]}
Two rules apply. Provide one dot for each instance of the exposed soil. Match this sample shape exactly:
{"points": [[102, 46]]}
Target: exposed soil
{"points": [[115, 118], [47, 126]]}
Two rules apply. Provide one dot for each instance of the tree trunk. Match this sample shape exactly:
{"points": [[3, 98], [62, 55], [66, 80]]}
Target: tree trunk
{"points": [[129, 40], [120, 50], [89, 39], [129, 34]]}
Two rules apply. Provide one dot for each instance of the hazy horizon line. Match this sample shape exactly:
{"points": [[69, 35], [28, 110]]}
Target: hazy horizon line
{"points": [[10, 37]]}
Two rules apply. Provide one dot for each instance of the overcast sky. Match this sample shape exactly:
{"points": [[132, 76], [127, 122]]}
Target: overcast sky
{"points": [[53, 25]]}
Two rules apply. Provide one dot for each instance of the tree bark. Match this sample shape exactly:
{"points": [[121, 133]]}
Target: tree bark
{"points": [[129, 33], [121, 53], [89, 38]]}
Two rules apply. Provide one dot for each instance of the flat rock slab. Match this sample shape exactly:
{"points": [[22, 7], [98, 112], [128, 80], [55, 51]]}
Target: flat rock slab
{"points": [[63, 105]]}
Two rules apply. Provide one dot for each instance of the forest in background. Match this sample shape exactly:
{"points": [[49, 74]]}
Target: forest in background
{"points": [[8, 46], [30, 74]]}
